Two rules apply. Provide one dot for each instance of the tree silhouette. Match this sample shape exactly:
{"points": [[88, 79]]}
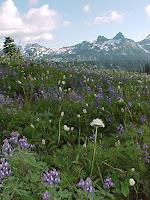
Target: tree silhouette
{"points": [[9, 47], [147, 68]]}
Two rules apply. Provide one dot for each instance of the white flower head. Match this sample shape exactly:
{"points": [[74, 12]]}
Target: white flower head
{"points": [[72, 128], [84, 145], [43, 142], [60, 89], [132, 181], [121, 100], [84, 111], [103, 108], [97, 122], [78, 115], [132, 169], [32, 126], [66, 128], [117, 143], [19, 82], [122, 110], [63, 82], [62, 114]]}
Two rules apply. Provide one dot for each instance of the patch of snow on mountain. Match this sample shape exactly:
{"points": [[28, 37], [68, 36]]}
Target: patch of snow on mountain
{"points": [[112, 42], [143, 48]]}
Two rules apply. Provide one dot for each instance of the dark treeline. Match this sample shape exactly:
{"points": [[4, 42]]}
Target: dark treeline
{"points": [[146, 68]]}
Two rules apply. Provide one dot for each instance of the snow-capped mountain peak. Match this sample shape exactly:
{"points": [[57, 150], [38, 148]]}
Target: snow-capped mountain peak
{"points": [[117, 48]]}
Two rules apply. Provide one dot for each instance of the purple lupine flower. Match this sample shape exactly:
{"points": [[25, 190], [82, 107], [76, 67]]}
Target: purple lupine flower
{"points": [[23, 142], [55, 97], [147, 157], [46, 195], [108, 183], [129, 105], [7, 148], [52, 177], [20, 99], [108, 119], [112, 91], [4, 170], [14, 137], [138, 147], [143, 118], [87, 185], [145, 146], [81, 183], [8, 111], [108, 100], [36, 96], [120, 128]]}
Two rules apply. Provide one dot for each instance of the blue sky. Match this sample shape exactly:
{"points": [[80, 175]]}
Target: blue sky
{"points": [[58, 23]]}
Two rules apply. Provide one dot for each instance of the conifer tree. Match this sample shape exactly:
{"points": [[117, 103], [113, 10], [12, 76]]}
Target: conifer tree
{"points": [[9, 46]]}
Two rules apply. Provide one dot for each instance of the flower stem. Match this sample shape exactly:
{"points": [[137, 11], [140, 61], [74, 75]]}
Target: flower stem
{"points": [[94, 152], [79, 133], [59, 131]]}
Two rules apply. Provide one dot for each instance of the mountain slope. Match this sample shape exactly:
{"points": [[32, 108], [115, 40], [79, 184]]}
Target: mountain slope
{"points": [[118, 48], [145, 44]]}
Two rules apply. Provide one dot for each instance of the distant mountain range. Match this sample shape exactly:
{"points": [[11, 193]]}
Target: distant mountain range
{"points": [[119, 48], [119, 51]]}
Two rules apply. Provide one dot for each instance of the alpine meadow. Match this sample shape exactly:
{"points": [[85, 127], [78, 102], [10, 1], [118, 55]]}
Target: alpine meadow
{"points": [[74, 112]]}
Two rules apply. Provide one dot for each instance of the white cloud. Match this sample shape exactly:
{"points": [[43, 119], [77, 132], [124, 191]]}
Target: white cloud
{"points": [[35, 25], [86, 8], [113, 16], [39, 38], [147, 10], [32, 2], [66, 23]]}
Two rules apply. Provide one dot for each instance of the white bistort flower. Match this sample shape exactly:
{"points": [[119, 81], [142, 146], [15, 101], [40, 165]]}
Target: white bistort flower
{"points": [[43, 142], [132, 181], [60, 89], [103, 108], [78, 115], [32, 126], [132, 169], [66, 128], [19, 82], [63, 82], [97, 122], [84, 111], [62, 114]]}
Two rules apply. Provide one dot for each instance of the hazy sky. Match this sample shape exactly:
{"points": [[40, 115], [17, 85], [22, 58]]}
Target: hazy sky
{"points": [[58, 23]]}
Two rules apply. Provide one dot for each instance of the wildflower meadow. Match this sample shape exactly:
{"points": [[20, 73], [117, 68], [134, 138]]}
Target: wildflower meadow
{"points": [[73, 133]]}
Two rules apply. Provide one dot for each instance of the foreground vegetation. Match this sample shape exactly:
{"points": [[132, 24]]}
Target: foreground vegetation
{"points": [[73, 133]]}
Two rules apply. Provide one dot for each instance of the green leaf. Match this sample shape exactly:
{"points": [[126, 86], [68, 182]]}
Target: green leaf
{"points": [[124, 189]]}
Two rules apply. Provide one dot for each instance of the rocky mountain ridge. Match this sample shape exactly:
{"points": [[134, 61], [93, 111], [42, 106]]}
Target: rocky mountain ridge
{"points": [[117, 48]]}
